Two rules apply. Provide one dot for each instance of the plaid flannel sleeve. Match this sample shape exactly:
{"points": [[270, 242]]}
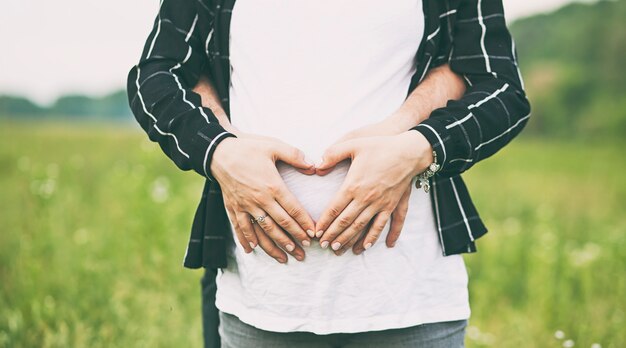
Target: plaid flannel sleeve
{"points": [[494, 108], [160, 86]]}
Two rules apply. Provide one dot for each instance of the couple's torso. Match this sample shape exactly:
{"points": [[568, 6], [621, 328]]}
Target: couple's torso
{"points": [[308, 72]]}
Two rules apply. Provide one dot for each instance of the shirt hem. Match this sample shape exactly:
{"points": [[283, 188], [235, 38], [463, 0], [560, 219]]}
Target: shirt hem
{"points": [[266, 322]]}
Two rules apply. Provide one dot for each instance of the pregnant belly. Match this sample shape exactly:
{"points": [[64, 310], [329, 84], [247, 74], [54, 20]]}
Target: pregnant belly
{"points": [[314, 192]]}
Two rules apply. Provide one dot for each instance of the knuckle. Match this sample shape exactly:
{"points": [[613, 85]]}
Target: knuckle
{"points": [[334, 212], [247, 233], [294, 211], [372, 195], [344, 222], [359, 225], [351, 189], [266, 225], [272, 188], [284, 221]]}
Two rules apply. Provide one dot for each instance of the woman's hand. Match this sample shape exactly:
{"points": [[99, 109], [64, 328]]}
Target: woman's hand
{"points": [[245, 168], [381, 170]]}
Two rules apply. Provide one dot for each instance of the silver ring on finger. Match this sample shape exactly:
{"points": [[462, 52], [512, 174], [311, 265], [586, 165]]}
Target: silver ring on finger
{"points": [[261, 218]]}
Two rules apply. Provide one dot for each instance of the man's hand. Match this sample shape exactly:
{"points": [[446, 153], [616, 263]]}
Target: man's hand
{"points": [[381, 170]]}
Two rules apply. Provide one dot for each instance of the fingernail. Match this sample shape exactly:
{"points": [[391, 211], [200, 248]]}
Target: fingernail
{"points": [[319, 162], [290, 247], [324, 244], [319, 233], [282, 260], [299, 257], [336, 245], [306, 243], [310, 233], [368, 245], [252, 245]]}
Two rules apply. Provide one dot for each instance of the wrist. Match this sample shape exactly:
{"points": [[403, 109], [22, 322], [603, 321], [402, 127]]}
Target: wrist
{"points": [[219, 156], [421, 151], [405, 118]]}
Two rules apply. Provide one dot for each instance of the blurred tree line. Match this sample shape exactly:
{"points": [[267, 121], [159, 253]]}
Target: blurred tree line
{"points": [[73, 107], [571, 61]]}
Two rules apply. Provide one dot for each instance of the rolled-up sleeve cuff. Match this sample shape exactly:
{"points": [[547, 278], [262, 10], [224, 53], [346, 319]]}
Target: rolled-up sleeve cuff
{"points": [[206, 141], [438, 137]]}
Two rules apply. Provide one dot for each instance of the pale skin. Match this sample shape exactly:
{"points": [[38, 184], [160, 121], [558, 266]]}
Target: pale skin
{"points": [[384, 158]]}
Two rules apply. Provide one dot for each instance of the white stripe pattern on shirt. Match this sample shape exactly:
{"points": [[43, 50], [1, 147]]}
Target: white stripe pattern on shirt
{"points": [[482, 37], [459, 203], [208, 149], [143, 104], [481, 102], [503, 133]]}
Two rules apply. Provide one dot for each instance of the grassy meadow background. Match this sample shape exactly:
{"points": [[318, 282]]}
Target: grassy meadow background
{"points": [[91, 256], [94, 218]]}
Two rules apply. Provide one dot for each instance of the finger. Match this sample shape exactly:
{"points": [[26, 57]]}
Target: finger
{"points": [[356, 227], [343, 221], [335, 154], [308, 171], [358, 247], [245, 227], [397, 219], [245, 231], [286, 221], [294, 208], [237, 231], [357, 239], [341, 200], [269, 246], [293, 156], [376, 229], [279, 236]]}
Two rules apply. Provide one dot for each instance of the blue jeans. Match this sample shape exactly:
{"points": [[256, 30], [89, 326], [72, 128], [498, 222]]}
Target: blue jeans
{"points": [[236, 334]]}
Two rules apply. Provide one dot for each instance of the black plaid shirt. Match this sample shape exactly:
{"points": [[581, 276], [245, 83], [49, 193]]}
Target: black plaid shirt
{"points": [[190, 38]]}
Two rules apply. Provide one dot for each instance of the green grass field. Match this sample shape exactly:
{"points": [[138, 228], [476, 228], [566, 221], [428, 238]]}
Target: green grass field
{"points": [[90, 256]]}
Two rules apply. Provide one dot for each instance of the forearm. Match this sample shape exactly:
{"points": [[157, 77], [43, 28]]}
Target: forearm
{"points": [[159, 87], [211, 100], [440, 85], [494, 109]]}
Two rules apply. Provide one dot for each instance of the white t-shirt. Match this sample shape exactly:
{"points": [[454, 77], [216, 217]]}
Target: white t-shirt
{"points": [[307, 72]]}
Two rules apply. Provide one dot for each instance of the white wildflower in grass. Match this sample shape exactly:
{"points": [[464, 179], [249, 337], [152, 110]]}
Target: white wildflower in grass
{"points": [[482, 338], [559, 335], [568, 344], [587, 254], [43, 188], [596, 345], [23, 164], [473, 333], [160, 189]]}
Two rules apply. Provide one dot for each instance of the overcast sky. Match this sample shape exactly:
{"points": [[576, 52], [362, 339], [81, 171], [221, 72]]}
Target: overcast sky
{"points": [[49, 48]]}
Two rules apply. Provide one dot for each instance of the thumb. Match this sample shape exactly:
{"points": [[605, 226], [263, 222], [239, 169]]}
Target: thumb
{"points": [[291, 155], [335, 154]]}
